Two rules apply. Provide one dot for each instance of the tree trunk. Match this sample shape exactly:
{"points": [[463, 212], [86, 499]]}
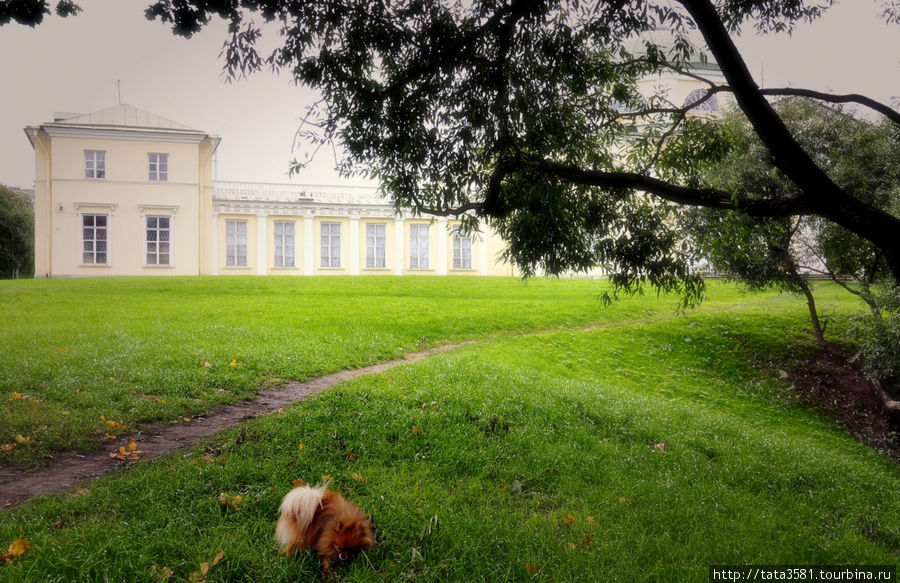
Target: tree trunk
{"points": [[818, 332], [889, 403]]}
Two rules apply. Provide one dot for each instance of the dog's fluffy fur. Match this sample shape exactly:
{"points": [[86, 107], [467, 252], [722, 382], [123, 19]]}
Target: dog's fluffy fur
{"points": [[321, 519]]}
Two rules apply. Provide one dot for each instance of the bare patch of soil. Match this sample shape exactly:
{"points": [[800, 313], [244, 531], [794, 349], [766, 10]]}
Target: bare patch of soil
{"points": [[18, 485], [833, 384]]}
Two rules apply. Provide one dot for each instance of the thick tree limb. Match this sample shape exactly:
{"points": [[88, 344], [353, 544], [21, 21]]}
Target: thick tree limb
{"points": [[881, 108], [705, 197]]}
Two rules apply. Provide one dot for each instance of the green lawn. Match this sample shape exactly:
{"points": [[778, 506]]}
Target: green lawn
{"points": [[84, 358], [527, 456]]}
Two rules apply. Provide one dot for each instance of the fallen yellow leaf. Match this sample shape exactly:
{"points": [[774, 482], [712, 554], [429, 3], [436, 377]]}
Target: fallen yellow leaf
{"points": [[16, 549], [7, 447], [233, 501], [161, 573], [131, 454]]}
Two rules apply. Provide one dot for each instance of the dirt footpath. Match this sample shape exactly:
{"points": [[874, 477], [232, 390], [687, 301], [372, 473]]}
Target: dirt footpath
{"points": [[67, 470]]}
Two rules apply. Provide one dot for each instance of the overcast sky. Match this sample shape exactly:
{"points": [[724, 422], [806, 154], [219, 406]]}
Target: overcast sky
{"points": [[74, 65]]}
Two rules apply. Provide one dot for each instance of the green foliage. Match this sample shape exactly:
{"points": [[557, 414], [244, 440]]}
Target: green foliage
{"points": [[878, 335], [16, 234], [859, 155], [32, 12]]}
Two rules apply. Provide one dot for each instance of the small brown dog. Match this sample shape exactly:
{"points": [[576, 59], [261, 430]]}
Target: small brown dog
{"points": [[321, 519]]}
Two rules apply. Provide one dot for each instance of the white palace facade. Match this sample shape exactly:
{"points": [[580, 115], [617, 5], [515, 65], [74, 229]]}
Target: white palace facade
{"points": [[124, 192]]}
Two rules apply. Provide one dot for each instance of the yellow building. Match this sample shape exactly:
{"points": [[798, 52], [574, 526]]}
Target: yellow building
{"points": [[124, 192]]}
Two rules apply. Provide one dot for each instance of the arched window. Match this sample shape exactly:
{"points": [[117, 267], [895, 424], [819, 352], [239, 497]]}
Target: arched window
{"points": [[711, 105]]}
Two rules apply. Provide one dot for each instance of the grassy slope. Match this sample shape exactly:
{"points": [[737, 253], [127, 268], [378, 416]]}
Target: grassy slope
{"points": [[534, 454], [94, 354]]}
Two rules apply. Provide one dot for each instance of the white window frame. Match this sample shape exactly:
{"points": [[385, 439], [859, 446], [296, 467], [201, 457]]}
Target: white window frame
{"points": [[236, 237], [285, 243], [94, 241], [156, 240], [330, 245], [376, 245], [419, 236], [95, 164], [157, 167], [462, 250]]}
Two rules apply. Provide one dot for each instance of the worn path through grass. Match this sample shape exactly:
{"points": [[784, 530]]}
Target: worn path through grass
{"points": [[87, 361], [67, 470]]}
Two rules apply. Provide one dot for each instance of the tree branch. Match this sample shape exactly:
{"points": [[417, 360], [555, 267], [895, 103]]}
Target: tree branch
{"points": [[881, 108], [704, 197]]}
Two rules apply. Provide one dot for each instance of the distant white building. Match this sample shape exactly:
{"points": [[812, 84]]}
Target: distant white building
{"points": [[124, 192]]}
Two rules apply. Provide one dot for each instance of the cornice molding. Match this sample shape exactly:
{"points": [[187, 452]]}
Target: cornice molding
{"points": [[118, 133]]}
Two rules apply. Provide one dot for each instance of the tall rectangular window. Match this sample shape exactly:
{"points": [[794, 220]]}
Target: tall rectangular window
{"points": [[284, 243], [462, 250], [94, 250], [159, 167], [235, 243], [94, 164], [159, 240], [375, 245], [418, 246], [331, 244]]}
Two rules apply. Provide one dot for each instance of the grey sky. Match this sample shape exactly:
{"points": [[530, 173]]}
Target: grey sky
{"points": [[74, 64]]}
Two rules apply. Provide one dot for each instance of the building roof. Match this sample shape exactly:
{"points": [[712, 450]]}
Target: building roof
{"points": [[124, 122], [120, 116]]}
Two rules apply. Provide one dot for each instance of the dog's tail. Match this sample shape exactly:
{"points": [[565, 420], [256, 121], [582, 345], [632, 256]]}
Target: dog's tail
{"points": [[297, 511]]}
